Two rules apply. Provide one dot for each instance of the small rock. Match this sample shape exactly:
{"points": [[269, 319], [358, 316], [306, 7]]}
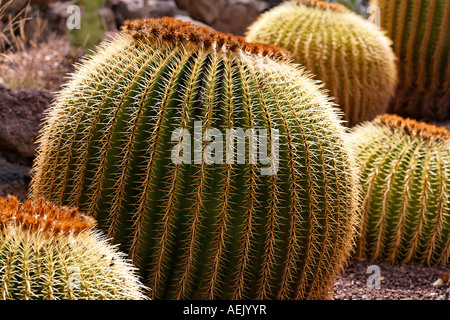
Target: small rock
{"points": [[206, 11], [443, 279]]}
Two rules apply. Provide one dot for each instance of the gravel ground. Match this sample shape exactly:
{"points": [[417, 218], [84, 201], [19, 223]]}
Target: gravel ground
{"points": [[397, 282]]}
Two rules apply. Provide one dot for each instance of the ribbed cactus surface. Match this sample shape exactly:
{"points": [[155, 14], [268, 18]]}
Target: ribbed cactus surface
{"points": [[405, 176], [50, 253], [350, 55], [200, 228], [420, 30]]}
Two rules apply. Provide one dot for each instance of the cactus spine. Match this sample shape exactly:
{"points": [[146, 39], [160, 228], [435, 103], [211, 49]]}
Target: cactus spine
{"points": [[50, 253], [405, 176], [420, 31], [202, 230], [347, 53]]}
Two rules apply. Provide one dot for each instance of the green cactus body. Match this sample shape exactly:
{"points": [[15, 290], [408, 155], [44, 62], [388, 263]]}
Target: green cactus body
{"points": [[50, 253], [405, 176], [203, 230], [350, 55], [92, 28], [91, 5], [420, 31]]}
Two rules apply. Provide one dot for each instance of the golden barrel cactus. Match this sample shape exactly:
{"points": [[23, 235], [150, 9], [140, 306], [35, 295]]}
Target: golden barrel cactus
{"points": [[348, 54], [405, 177], [210, 223], [420, 30], [51, 253]]}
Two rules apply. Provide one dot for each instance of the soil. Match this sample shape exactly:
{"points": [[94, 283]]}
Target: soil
{"points": [[397, 282]]}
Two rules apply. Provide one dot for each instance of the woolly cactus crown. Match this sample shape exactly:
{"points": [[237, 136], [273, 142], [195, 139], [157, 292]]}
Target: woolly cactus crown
{"points": [[51, 253], [413, 128], [177, 32]]}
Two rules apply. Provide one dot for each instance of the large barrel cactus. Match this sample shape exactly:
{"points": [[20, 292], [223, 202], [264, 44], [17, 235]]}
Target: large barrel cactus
{"points": [[149, 138], [358, 6], [405, 176], [420, 30], [350, 55], [51, 253]]}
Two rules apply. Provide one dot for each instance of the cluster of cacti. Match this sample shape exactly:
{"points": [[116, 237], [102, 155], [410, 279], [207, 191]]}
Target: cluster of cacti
{"points": [[91, 29], [349, 54], [405, 177], [420, 31], [199, 229], [50, 253]]}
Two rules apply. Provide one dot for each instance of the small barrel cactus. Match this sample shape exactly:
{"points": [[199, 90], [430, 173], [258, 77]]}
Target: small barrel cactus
{"points": [[420, 31], [92, 28], [51, 253], [350, 55], [211, 223], [405, 176]]}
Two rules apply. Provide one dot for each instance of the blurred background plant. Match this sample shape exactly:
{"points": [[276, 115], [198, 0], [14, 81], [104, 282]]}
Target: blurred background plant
{"points": [[29, 54], [91, 29]]}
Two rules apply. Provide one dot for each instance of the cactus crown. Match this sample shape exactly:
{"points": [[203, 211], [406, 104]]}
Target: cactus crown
{"points": [[323, 5], [51, 253], [414, 128], [43, 216], [185, 33]]}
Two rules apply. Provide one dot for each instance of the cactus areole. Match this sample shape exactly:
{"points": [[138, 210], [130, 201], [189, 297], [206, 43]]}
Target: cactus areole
{"points": [[405, 177], [51, 253], [348, 54], [155, 137]]}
